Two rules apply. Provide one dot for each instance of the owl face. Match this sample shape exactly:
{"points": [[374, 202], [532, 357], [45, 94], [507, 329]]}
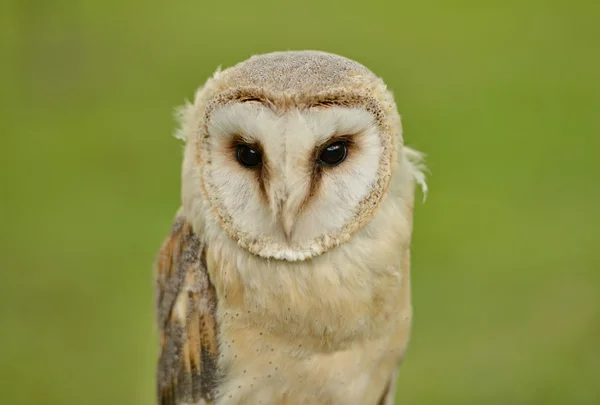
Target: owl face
{"points": [[294, 176], [290, 168]]}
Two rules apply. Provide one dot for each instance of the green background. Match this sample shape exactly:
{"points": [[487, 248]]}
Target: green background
{"points": [[501, 95]]}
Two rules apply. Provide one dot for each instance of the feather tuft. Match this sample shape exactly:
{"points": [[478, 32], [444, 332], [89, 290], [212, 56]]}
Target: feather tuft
{"points": [[418, 168], [182, 115]]}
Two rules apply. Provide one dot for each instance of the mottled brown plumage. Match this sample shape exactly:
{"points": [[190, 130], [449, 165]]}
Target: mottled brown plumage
{"points": [[186, 304]]}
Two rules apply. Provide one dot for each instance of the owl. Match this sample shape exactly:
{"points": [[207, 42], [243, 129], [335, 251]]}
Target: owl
{"points": [[285, 278]]}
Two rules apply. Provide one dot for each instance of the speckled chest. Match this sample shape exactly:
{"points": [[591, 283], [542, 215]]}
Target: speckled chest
{"points": [[268, 371], [279, 347]]}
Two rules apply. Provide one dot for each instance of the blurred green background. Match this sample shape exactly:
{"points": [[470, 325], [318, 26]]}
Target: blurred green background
{"points": [[501, 95]]}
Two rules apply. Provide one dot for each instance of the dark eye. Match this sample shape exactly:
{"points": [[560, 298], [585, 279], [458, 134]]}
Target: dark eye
{"points": [[248, 157], [334, 154]]}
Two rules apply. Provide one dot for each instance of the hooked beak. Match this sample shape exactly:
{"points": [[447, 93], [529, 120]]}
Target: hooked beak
{"points": [[286, 209], [288, 221]]}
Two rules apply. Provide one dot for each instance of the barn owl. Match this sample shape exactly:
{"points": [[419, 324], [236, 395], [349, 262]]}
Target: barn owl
{"points": [[285, 278]]}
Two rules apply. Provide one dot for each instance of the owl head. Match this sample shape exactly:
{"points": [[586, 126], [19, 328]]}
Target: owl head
{"points": [[291, 153]]}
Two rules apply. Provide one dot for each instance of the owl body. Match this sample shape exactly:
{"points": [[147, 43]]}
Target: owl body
{"points": [[286, 279]]}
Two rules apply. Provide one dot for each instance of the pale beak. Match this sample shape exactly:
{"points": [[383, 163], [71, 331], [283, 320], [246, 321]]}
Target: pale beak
{"points": [[287, 193], [286, 210], [288, 220]]}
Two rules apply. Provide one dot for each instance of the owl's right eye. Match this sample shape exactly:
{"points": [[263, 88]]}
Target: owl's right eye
{"points": [[248, 157]]}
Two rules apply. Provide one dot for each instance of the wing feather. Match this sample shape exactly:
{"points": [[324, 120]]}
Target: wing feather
{"points": [[185, 311]]}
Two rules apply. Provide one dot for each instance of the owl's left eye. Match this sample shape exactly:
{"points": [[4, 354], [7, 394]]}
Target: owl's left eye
{"points": [[248, 157], [333, 154]]}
